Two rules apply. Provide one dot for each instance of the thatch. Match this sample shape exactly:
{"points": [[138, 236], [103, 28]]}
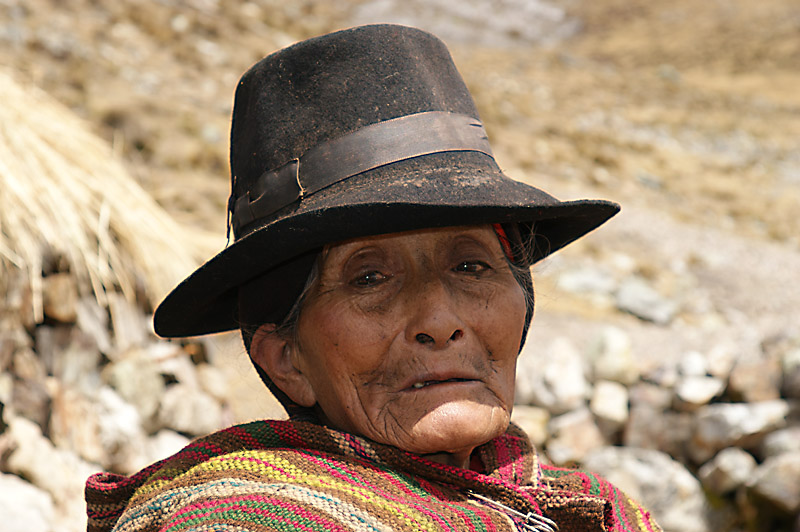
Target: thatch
{"points": [[64, 195]]}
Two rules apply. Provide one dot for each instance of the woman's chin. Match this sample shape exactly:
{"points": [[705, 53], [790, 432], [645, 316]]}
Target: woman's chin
{"points": [[456, 428]]}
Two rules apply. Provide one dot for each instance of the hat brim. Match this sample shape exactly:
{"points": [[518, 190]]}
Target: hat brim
{"points": [[431, 191]]}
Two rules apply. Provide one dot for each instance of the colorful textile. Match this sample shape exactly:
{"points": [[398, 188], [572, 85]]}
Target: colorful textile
{"points": [[291, 475]]}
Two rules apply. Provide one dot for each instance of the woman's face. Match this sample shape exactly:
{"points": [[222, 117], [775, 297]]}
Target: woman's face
{"points": [[411, 339]]}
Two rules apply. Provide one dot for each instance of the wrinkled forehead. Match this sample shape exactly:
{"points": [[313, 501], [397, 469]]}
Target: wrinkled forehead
{"points": [[418, 238]]}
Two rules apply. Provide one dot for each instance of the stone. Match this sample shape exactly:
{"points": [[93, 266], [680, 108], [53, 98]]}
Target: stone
{"points": [[92, 319], [572, 436], [650, 427], [587, 281], [664, 375], [781, 442], [755, 379], [790, 364], [552, 377], [652, 395], [163, 445], [692, 364], [727, 471], [120, 431], [777, 482], [138, 380], [724, 425], [24, 507], [189, 410], [637, 297], [695, 391], [130, 328], [174, 364], [612, 357], [59, 472], [31, 399], [213, 381], [74, 424], [720, 360], [664, 486], [76, 364], [609, 404], [533, 420], [60, 297]]}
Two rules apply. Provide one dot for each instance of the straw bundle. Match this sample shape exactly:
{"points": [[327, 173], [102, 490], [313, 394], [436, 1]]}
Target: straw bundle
{"points": [[63, 194]]}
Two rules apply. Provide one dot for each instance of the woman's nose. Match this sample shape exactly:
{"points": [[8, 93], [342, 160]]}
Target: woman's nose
{"points": [[434, 319]]}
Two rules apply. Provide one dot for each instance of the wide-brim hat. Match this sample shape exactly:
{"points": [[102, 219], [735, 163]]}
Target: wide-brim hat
{"points": [[361, 132]]}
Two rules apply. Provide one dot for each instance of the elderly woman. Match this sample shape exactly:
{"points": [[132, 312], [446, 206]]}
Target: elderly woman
{"points": [[380, 278]]}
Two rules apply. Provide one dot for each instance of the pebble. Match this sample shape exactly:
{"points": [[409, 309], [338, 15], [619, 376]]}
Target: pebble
{"points": [[552, 377], [693, 392], [755, 379], [637, 297], [609, 404], [24, 507], [781, 442], [60, 297], [724, 425], [572, 436], [728, 470], [189, 410], [533, 420], [612, 357], [776, 481]]}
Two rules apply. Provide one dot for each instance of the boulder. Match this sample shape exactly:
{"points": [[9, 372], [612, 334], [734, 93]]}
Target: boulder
{"points": [[572, 436], [120, 432], [24, 507], [138, 380], [729, 469], [60, 297], [755, 379], [59, 472], [612, 357], [130, 328], [790, 364], [533, 420], [609, 404], [637, 297], [724, 425], [781, 442], [777, 481], [189, 410], [654, 428], [695, 391], [693, 364], [552, 377], [665, 487]]}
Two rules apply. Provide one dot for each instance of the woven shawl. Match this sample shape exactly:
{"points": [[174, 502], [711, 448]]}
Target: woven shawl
{"points": [[291, 475]]}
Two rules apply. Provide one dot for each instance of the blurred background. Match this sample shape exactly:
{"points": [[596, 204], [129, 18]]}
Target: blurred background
{"points": [[665, 351]]}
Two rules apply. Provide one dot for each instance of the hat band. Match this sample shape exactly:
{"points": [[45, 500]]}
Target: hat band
{"points": [[365, 149]]}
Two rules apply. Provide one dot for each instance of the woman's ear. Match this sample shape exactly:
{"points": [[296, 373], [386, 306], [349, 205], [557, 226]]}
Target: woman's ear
{"points": [[273, 353]]}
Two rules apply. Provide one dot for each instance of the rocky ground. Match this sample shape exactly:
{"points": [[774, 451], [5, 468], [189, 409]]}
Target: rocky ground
{"points": [[676, 324]]}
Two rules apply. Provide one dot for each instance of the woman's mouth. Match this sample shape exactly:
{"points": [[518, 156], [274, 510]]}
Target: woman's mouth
{"points": [[423, 384]]}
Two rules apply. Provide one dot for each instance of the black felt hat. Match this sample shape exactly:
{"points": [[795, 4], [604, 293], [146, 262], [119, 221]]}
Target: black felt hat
{"points": [[365, 131]]}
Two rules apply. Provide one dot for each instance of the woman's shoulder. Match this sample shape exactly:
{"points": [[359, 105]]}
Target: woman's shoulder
{"points": [[187, 473]]}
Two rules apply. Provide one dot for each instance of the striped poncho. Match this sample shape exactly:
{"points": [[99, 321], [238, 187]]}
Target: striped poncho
{"points": [[291, 475]]}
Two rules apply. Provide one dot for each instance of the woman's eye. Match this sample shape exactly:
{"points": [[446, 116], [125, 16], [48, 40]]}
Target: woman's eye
{"points": [[369, 278], [470, 266]]}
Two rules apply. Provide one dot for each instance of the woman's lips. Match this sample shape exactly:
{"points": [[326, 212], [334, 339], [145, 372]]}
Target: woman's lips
{"points": [[424, 383]]}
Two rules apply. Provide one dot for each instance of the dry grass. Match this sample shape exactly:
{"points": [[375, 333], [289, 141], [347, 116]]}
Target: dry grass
{"points": [[66, 203]]}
